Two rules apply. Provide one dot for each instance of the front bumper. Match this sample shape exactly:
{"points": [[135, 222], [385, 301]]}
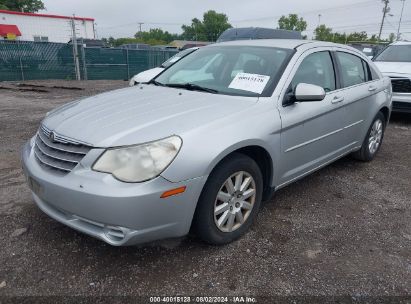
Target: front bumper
{"points": [[115, 212], [401, 102]]}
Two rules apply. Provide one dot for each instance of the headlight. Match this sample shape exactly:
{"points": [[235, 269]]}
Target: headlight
{"points": [[139, 163]]}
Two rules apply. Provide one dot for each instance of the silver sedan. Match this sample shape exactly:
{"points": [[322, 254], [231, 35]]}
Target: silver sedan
{"points": [[200, 146]]}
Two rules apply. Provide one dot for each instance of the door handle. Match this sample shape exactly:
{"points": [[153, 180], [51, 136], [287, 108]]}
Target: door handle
{"points": [[372, 88], [337, 99]]}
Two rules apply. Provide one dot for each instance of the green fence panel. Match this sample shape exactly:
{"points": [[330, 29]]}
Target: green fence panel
{"points": [[26, 60], [138, 61], [105, 63], [21, 60]]}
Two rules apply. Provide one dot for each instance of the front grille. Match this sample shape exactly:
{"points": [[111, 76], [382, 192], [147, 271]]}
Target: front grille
{"points": [[60, 154], [401, 85]]}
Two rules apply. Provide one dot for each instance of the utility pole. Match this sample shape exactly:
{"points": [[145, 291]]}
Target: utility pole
{"points": [[385, 11], [95, 30], [138, 35], [75, 49], [399, 25], [140, 24], [319, 20]]}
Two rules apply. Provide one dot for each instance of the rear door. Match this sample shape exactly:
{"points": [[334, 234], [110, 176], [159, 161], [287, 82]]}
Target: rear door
{"points": [[360, 89], [312, 132]]}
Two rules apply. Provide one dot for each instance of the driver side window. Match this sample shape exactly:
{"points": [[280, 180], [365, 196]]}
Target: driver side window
{"points": [[317, 69]]}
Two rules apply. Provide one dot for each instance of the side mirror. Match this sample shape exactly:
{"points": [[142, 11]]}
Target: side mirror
{"points": [[309, 92]]}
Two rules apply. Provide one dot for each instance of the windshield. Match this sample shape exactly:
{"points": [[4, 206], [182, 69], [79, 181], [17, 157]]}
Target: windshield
{"points": [[176, 58], [230, 70], [395, 53]]}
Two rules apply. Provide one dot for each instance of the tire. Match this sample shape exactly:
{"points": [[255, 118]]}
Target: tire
{"points": [[373, 140], [216, 205]]}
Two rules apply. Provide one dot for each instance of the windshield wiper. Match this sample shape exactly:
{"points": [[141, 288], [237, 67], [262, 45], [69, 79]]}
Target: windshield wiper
{"points": [[191, 87], [155, 82]]}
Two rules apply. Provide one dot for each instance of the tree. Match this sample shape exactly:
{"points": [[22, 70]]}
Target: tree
{"points": [[195, 31], [209, 29], [156, 35], [153, 37], [323, 33], [109, 42], [392, 37], [112, 42], [339, 38], [29, 6], [292, 23], [358, 36], [373, 38]]}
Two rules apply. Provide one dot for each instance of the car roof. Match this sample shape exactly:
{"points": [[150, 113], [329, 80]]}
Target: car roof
{"points": [[242, 33], [401, 43], [280, 43], [301, 45]]}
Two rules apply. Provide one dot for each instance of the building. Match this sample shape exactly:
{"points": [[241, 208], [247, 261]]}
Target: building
{"points": [[43, 27]]}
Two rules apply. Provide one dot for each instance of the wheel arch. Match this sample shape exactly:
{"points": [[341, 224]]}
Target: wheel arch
{"points": [[386, 112], [261, 156]]}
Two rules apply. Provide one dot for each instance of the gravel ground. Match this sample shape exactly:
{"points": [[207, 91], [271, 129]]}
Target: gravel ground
{"points": [[344, 230]]}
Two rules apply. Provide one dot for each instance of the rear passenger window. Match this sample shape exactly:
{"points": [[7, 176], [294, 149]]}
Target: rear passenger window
{"points": [[352, 69], [316, 69]]}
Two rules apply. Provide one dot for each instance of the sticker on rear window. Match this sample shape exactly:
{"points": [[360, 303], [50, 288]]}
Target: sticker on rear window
{"points": [[249, 82]]}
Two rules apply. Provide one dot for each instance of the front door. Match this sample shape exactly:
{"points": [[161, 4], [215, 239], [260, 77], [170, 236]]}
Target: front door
{"points": [[312, 132]]}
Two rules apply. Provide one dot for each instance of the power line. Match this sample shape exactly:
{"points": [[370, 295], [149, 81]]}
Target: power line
{"points": [[309, 12], [399, 24], [362, 25], [149, 23], [334, 9], [390, 24]]}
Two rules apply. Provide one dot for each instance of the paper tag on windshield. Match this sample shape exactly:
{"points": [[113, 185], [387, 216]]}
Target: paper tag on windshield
{"points": [[249, 82]]}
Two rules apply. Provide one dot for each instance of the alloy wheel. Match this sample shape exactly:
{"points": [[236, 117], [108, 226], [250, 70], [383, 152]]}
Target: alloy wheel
{"points": [[375, 137], [235, 201]]}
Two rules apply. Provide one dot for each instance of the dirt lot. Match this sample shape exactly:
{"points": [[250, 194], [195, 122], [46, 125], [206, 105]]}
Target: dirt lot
{"points": [[345, 230]]}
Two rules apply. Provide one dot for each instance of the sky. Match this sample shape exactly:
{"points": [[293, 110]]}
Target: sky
{"points": [[120, 18]]}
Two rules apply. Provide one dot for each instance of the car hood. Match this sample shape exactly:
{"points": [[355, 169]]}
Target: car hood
{"points": [[394, 68], [146, 76], [140, 114]]}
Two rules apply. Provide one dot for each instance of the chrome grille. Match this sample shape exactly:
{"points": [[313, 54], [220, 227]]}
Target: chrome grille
{"points": [[401, 85], [60, 154]]}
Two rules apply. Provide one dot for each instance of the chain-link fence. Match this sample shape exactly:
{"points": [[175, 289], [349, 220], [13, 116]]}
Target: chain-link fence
{"points": [[26, 60]]}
